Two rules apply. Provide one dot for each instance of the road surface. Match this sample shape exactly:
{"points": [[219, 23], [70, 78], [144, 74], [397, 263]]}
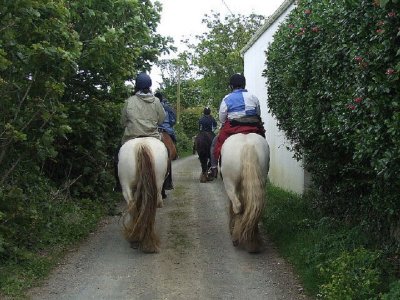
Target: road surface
{"points": [[196, 261]]}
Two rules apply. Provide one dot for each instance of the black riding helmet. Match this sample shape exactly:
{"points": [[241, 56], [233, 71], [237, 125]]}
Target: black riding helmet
{"points": [[207, 111], [237, 81], [143, 81]]}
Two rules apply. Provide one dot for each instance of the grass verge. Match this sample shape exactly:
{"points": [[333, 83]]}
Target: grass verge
{"points": [[72, 222], [333, 260]]}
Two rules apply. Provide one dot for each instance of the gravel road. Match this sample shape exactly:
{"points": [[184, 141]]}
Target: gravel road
{"points": [[196, 261]]}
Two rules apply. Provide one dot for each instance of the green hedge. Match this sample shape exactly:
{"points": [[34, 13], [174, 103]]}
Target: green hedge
{"points": [[333, 85]]}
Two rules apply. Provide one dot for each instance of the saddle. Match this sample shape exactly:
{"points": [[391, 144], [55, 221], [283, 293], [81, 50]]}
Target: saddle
{"points": [[247, 121]]}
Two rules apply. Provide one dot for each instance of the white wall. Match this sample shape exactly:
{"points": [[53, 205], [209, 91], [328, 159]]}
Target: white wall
{"points": [[285, 171]]}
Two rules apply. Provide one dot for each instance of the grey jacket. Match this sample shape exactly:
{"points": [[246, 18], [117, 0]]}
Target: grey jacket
{"points": [[141, 116]]}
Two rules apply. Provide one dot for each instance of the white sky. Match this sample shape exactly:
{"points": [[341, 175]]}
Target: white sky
{"points": [[181, 19]]}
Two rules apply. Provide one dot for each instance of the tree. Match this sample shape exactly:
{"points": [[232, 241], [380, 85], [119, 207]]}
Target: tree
{"points": [[63, 68], [216, 54]]}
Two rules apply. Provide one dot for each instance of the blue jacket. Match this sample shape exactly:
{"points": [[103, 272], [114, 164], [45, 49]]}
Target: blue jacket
{"points": [[239, 103], [170, 118]]}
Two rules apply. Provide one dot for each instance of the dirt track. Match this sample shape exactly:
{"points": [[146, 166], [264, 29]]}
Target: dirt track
{"points": [[197, 259]]}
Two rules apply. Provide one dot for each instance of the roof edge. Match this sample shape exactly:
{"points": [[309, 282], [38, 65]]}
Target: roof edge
{"points": [[281, 9]]}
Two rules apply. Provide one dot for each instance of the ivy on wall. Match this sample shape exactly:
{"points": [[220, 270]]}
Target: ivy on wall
{"points": [[333, 85]]}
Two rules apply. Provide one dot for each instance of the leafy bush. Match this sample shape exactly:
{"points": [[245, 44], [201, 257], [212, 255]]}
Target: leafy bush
{"points": [[353, 275], [333, 260], [190, 120], [184, 144], [394, 292], [333, 84], [63, 70]]}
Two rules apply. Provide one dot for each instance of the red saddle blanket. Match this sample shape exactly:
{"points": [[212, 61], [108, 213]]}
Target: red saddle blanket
{"points": [[228, 129]]}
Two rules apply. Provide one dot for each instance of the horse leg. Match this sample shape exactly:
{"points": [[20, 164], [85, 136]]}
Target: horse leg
{"points": [[203, 162], [231, 191], [232, 222], [255, 243], [129, 223], [168, 180]]}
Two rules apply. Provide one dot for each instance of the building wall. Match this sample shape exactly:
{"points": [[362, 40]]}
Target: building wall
{"points": [[285, 171]]}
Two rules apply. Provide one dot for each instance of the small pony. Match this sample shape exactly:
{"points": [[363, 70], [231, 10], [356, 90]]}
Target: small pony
{"points": [[202, 145], [244, 169], [142, 168], [169, 143]]}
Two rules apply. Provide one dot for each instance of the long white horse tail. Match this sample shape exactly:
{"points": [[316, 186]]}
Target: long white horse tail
{"points": [[252, 192], [145, 197]]}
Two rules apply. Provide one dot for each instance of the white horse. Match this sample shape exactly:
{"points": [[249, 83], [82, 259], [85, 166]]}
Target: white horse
{"points": [[244, 169], [142, 168]]}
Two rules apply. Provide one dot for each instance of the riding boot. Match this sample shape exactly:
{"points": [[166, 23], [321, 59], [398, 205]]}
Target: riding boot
{"points": [[117, 187]]}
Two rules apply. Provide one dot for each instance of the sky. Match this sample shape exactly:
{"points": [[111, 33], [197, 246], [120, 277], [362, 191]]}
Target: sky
{"points": [[181, 19]]}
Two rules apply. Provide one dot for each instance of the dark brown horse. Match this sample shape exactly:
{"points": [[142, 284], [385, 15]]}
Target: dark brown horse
{"points": [[202, 144]]}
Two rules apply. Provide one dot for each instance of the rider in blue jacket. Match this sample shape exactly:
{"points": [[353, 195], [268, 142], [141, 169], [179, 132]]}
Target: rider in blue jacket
{"points": [[170, 119]]}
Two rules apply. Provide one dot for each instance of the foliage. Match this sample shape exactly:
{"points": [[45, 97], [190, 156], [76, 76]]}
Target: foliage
{"points": [[190, 120], [333, 85], [58, 224], [179, 72], [216, 53], [184, 144], [203, 71], [353, 275], [63, 69], [334, 261], [394, 292]]}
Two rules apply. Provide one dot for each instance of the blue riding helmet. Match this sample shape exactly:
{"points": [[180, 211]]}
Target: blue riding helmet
{"points": [[143, 81]]}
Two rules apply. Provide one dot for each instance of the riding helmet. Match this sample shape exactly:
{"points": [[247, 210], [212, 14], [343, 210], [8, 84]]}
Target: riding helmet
{"points": [[237, 81], [143, 81], [207, 111]]}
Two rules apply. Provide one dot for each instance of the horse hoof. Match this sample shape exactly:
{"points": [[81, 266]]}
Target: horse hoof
{"points": [[254, 250], [203, 178], [235, 243], [134, 244], [168, 186]]}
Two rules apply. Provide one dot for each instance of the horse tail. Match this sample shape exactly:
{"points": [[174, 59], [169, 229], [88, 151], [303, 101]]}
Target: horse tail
{"points": [[251, 193], [144, 203]]}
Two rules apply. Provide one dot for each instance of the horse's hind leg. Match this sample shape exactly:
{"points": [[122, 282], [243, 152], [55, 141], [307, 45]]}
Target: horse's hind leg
{"points": [[129, 223], [231, 191], [203, 175], [150, 244], [232, 223], [255, 243]]}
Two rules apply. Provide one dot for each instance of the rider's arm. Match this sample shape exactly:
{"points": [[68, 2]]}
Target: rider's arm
{"points": [[223, 112], [214, 124]]}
